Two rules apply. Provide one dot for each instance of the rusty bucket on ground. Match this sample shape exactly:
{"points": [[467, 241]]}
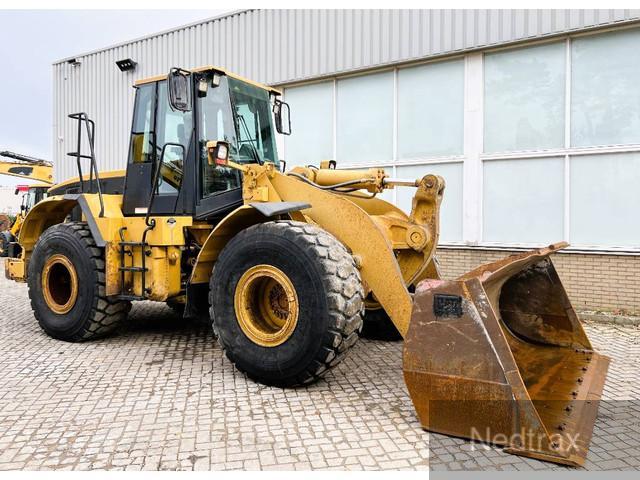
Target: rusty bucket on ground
{"points": [[499, 356]]}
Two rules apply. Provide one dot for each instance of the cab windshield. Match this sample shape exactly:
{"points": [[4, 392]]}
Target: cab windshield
{"points": [[239, 114], [255, 142]]}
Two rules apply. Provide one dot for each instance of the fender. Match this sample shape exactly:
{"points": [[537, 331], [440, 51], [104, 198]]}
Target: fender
{"points": [[54, 210], [239, 219], [43, 215]]}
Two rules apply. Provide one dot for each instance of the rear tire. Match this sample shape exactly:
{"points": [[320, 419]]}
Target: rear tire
{"points": [[5, 240], [70, 304], [316, 283]]}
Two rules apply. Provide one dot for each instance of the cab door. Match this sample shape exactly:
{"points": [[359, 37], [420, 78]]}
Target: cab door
{"points": [[219, 188], [159, 152]]}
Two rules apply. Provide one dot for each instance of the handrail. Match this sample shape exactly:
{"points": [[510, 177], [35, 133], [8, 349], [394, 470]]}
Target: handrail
{"points": [[90, 127], [156, 177]]}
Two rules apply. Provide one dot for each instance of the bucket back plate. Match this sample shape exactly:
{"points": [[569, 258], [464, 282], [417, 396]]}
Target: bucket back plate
{"points": [[499, 355]]}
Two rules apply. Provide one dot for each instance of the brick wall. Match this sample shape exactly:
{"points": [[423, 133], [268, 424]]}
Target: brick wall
{"points": [[609, 283]]}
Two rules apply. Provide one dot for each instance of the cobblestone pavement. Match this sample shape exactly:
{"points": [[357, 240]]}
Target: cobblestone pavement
{"points": [[161, 396]]}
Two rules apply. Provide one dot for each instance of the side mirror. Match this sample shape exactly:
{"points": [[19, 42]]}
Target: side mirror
{"points": [[217, 153], [179, 89], [282, 116]]}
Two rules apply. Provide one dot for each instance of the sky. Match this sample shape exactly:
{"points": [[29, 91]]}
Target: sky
{"points": [[31, 40]]}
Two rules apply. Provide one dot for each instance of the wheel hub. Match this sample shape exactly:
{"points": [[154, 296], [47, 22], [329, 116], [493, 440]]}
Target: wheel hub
{"points": [[266, 305], [59, 284]]}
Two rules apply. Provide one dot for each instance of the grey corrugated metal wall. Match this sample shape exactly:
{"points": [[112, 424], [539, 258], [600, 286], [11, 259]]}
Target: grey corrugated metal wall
{"points": [[284, 46]]}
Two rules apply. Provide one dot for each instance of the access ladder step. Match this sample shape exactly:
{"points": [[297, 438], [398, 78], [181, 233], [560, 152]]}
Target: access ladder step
{"points": [[133, 269], [130, 298]]}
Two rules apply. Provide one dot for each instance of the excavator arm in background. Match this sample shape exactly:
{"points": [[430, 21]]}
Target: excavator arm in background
{"points": [[24, 166]]}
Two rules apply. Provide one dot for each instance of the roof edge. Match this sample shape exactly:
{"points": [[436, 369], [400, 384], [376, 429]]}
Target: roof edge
{"points": [[154, 35]]}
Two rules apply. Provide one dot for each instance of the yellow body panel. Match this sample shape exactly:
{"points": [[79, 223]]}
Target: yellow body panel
{"points": [[14, 269], [103, 176], [165, 240]]}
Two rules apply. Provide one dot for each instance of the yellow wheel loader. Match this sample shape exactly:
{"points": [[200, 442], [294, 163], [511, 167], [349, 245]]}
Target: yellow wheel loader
{"points": [[31, 194], [23, 166], [286, 264]]}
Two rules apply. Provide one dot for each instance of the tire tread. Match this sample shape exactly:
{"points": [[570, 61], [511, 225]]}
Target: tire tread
{"points": [[107, 313], [345, 294]]}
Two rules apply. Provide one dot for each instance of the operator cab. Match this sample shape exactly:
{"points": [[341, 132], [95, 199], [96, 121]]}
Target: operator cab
{"points": [[31, 194], [174, 119]]}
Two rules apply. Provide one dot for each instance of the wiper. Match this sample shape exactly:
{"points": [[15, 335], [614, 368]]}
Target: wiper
{"points": [[256, 153]]}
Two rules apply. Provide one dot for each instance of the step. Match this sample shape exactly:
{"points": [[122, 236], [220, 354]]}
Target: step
{"points": [[130, 298], [133, 269]]}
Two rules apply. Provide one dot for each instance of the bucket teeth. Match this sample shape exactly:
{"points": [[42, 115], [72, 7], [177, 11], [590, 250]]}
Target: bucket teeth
{"points": [[499, 355]]}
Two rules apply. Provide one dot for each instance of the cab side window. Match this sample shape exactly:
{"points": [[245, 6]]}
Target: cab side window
{"points": [[142, 131], [216, 123], [173, 128]]}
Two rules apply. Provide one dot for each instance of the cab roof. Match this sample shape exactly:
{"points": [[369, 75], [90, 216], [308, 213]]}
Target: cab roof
{"points": [[25, 188], [207, 68]]}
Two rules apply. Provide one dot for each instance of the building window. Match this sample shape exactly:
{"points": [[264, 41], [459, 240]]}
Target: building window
{"points": [[365, 119], [312, 124], [524, 98], [523, 200], [451, 208], [605, 98], [604, 200], [530, 113], [431, 110]]}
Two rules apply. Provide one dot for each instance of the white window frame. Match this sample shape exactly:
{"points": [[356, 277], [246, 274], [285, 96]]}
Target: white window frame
{"points": [[473, 156], [567, 152]]}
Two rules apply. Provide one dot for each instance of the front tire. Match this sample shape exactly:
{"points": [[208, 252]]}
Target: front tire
{"points": [[286, 301], [66, 281]]}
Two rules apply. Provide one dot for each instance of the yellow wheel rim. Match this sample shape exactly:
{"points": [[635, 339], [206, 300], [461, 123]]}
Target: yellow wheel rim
{"points": [[266, 305], [59, 284]]}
